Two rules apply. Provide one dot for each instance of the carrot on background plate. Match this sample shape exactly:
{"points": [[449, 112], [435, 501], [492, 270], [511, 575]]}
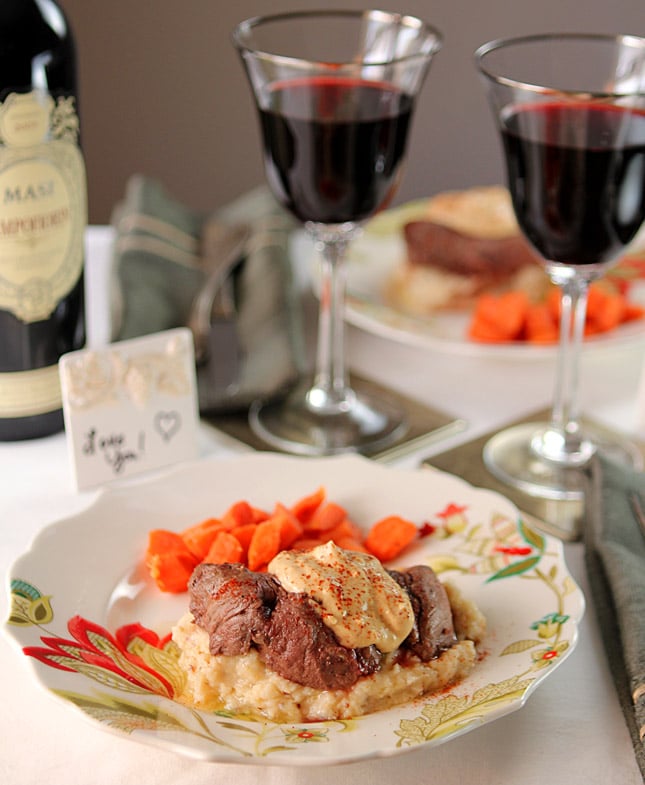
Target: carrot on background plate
{"points": [[541, 325], [513, 317], [499, 318]]}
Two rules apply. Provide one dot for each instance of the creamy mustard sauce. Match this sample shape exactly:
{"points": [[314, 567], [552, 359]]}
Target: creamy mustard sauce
{"points": [[358, 600]]}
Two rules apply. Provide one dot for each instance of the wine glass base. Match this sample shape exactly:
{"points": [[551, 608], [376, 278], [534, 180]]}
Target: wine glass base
{"points": [[509, 457], [367, 425]]}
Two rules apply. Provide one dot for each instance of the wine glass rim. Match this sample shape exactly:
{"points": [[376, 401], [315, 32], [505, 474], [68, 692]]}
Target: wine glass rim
{"points": [[435, 37], [634, 41]]}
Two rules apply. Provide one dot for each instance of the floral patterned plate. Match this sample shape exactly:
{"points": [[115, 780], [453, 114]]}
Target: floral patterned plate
{"points": [[93, 628]]}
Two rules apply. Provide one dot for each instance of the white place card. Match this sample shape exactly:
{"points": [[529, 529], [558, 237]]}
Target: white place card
{"points": [[130, 407]]}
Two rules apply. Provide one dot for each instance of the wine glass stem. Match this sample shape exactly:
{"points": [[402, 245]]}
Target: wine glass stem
{"points": [[563, 441], [331, 393]]}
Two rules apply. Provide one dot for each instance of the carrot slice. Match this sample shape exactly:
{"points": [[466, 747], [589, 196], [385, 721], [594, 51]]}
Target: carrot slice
{"points": [[633, 311], [345, 530], [239, 514], [541, 326], [389, 536], [499, 317], [326, 517], [264, 544], [199, 538], [169, 560], [171, 571], [483, 332], [226, 549], [259, 515], [290, 527], [244, 534], [605, 310], [305, 507]]}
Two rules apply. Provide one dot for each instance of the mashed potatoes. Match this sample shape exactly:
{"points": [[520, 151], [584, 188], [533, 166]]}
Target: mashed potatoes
{"points": [[244, 684]]}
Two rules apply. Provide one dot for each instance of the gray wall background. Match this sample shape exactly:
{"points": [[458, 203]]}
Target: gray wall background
{"points": [[163, 93]]}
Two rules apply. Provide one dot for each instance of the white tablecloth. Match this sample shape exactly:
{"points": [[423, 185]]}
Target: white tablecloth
{"points": [[571, 729]]}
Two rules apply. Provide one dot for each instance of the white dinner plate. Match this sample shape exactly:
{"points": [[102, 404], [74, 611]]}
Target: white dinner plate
{"points": [[380, 249], [82, 580]]}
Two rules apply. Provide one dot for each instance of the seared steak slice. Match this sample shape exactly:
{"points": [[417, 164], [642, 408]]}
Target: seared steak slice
{"points": [[433, 245], [301, 647], [232, 604], [433, 630]]}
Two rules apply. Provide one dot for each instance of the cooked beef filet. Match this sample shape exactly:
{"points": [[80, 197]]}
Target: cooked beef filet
{"points": [[302, 648], [242, 610], [233, 605], [433, 630], [493, 259]]}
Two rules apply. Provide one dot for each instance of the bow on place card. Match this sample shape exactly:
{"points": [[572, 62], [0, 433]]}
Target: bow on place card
{"points": [[130, 407]]}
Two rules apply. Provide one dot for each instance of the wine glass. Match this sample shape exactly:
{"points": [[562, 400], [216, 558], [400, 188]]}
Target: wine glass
{"points": [[571, 112], [335, 92]]}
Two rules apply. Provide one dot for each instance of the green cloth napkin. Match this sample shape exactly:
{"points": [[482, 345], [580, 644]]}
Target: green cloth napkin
{"points": [[615, 555], [159, 270]]}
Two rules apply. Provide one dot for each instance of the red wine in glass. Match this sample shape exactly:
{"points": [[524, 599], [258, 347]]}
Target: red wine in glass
{"points": [[334, 147], [335, 92], [576, 173]]}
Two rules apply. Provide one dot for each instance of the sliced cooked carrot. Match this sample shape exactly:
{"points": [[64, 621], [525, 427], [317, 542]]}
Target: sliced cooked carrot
{"points": [[170, 562], [554, 301], [161, 540], [484, 332], [305, 507], [171, 570], [264, 545], [499, 317], [345, 530], [541, 326], [259, 515], [326, 517], [513, 307], [605, 310], [239, 514], [290, 527], [226, 549], [389, 536], [633, 311], [199, 538], [244, 534]]}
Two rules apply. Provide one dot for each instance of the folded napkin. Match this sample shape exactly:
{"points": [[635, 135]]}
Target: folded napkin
{"points": [[161, 264], [615, 555]]}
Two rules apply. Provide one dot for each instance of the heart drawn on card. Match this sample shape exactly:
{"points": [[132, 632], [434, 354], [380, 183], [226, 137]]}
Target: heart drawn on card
{"points": [[167, 424]]}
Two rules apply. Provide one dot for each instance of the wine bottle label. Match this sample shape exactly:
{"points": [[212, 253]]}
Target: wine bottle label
{"points": [[27, 393], [43, 203]]}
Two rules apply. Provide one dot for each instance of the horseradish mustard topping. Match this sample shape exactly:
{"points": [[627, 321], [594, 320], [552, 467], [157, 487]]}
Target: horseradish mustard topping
{"points": [[357, 598]]}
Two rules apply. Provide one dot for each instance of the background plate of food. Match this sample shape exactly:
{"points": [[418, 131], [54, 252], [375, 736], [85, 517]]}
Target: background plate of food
{"points": [[92, 625], [453, 273]]}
